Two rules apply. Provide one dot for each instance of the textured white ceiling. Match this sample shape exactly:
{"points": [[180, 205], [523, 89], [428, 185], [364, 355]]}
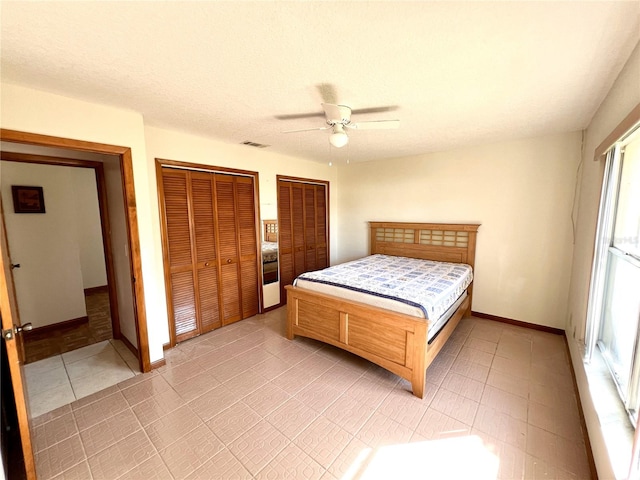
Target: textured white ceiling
{"points": [[461, 73]]}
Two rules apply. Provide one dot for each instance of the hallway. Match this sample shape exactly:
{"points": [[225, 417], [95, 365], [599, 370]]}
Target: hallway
{"points": [[64, 378]]}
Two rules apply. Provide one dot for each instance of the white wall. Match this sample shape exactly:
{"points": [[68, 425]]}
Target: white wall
{"points": [[48, 284], [89, 232], [520, 191], [120, 250], [34, 111], [173, 145], [621, 99]]}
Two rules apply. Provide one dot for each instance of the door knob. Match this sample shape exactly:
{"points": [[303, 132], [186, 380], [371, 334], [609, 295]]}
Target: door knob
{"points": [[10, 333], [27, 327], [228, 260]]}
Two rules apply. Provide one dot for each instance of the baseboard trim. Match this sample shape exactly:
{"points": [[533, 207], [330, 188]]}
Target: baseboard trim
{"points": [[158, 363], [129, 345], [583, 421], [272, 307], [519, 323], [166, 346], [46, 330], [100, 289]]}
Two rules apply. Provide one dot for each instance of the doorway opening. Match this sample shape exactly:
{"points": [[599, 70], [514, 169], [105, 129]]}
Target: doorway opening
{"points": [[113, 170]]}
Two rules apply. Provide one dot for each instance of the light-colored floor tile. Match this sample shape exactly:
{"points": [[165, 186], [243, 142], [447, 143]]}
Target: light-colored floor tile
{"points": [[381, 430], [223, 465], [88, 351], [191, 452], [44, 380], [48, 400], [51, 363], [258, 446], [130, 359], [85, 386], [61, 379], [233, 422], [310, 410], [292, 462], [59, 457], [323, 440], [95, 365]]}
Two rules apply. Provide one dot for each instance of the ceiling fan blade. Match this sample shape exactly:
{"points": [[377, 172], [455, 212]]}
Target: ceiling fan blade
{"points": [[375, 125], [337, 112], [327, 93], [296, 116], [306, 129], [386, 108]]}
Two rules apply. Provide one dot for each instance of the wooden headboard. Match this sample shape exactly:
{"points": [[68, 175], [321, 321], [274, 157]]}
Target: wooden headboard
{"points": [[270, 233], [443, 242]]}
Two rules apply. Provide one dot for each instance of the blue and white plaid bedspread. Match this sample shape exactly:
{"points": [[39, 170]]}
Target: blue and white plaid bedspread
{"points": [[425, 284]]}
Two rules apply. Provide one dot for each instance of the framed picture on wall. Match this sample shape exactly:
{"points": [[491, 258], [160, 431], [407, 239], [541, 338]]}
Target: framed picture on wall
{"points": [[27, 199]]}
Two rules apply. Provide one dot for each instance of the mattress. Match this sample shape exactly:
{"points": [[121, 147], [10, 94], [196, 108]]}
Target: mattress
{"points": [[420, 288], [269, 252]]}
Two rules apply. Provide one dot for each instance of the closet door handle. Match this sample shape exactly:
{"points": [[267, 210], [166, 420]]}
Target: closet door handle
{"points": [[228, 260]]}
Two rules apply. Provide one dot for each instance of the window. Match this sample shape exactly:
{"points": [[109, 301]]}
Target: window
{"points": [[614, 303]]}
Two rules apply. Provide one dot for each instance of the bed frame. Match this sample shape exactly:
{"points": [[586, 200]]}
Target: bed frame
{"points": [[270, 233], [395, 341]]}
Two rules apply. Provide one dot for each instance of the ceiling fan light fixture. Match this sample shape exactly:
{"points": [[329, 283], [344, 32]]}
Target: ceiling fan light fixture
{"points": [[339, 137]]}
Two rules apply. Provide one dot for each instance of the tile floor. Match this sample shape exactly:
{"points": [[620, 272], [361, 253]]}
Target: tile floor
{"points": [[62, 379], [41, 345], [244, 402]]}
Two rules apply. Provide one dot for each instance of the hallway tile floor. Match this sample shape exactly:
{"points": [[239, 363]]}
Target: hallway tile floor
{"points": [[62, 379]]}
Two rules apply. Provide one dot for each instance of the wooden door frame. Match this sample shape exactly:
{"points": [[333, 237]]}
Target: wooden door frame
{"points": [[160, 163], [10, 316], [309, 181], [98, 168], [135, 260]]}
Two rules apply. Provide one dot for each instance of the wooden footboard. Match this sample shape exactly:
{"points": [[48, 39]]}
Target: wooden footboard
{"points": [[395, 341]]}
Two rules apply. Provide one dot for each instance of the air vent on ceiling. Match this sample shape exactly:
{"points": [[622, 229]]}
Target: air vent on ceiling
{"points": [[254, 144]]}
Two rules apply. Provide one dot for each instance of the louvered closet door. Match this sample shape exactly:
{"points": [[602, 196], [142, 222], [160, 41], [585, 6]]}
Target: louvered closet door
{"points": [[322, 260], [302, 230], [205, 251], [181, 277], [285, 238], [297, 220], [246, 216], [310, 228], [228, 248]]}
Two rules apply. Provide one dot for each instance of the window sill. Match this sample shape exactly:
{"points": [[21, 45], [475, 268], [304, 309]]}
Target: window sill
{"points": [[613, 420]]}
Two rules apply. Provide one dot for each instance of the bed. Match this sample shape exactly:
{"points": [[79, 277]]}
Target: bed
{"points": [[270, 251], [393, 340]]}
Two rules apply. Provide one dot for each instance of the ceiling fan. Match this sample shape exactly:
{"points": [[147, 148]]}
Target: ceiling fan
{"points": [[338, 118]]}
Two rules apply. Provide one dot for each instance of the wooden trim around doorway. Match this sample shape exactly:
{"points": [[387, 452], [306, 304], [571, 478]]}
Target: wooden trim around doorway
{"points": [[101, 187], [126, 164]]}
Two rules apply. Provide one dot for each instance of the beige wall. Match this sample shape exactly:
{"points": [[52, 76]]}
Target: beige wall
{"points": [[34, 111], [120, 250], [49, 285], [87, 209], [621, 99], [520, 191]]}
